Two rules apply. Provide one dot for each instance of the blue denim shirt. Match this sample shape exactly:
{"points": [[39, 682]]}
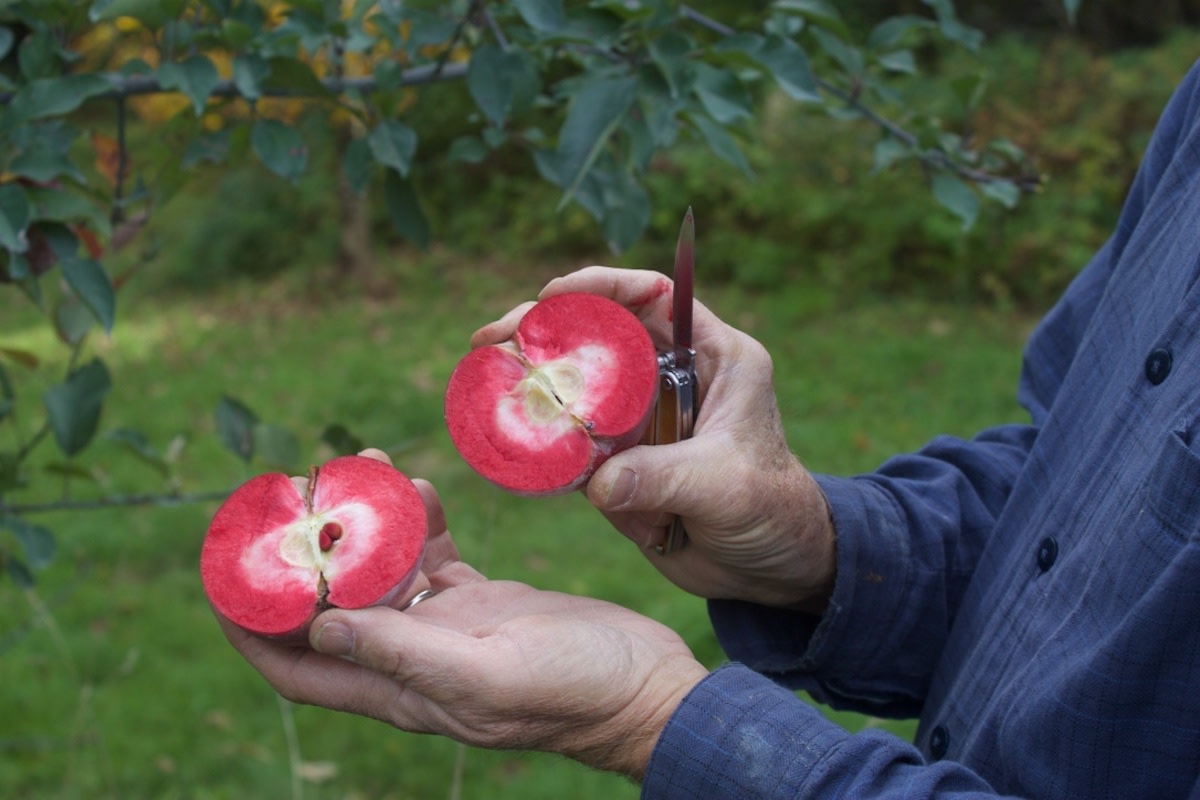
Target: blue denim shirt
{"points": [[1032, 594]]}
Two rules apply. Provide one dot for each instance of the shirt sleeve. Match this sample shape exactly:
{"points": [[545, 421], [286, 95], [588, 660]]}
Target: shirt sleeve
{"points": [[909, 534], [739, 736]]}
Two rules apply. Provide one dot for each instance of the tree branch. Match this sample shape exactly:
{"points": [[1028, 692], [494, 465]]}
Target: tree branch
{"points": [[121, 501], [933, 158], [133, 85]]}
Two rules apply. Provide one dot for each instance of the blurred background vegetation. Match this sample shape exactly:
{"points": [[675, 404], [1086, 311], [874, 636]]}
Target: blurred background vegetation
{"points": [[1081, 103], [888, 325]]}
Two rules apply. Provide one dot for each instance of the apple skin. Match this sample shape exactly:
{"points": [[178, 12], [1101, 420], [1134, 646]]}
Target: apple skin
{"points": [[538, 414], [267, 566]]}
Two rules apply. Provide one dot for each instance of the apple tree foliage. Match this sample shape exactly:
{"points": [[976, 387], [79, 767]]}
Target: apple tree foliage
{"points": [[590, 90]]}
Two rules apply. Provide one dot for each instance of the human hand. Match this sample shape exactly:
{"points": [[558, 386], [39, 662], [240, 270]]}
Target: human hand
{"points": [[491, 663], [758, 524]]}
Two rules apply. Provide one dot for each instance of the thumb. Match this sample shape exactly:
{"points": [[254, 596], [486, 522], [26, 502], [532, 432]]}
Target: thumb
{"points": [[661, 478]]}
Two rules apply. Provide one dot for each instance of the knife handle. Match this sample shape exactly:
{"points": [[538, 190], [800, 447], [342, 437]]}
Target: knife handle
{"points": [[673, 420]]}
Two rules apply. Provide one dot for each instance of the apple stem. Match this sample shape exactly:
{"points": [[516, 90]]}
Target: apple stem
{"points": [[310, 487]]}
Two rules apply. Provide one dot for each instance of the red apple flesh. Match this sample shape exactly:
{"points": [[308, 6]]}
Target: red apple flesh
{"points": [[274, 557], [538, 414]]}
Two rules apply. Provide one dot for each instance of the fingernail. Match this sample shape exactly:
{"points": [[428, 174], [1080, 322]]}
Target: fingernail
{"points": [[621, 490], [335, 639]]}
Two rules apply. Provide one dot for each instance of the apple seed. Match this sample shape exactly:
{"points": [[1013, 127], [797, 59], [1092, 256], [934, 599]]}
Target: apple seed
{"points": [[330, 533]]}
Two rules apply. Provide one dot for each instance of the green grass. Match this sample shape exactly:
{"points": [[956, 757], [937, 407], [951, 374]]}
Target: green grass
{"points": [[126, 689]]}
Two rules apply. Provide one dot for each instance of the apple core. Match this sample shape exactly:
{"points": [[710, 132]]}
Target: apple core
{"points": [[274, 557], [538, 414]]}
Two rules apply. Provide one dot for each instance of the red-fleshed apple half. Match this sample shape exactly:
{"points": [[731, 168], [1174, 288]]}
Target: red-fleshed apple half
{"points": [[274, 557], [538, 414]]}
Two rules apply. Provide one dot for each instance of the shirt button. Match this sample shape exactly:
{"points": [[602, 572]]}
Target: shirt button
{"points": [[939, 741], [1158, 365], [1047, 553]]}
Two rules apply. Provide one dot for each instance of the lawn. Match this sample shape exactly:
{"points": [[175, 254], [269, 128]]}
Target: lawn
{"points": [[116, 681]]}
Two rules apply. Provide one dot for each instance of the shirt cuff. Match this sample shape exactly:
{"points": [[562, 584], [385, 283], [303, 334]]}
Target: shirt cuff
{"points": [[799, 650], [738, 736]]}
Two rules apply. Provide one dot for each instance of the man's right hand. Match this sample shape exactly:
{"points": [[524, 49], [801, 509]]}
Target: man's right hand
{"points": [[758, 525]]}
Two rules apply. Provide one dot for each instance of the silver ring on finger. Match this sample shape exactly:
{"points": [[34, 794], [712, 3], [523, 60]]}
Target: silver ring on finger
{"points": [[424, 594]]}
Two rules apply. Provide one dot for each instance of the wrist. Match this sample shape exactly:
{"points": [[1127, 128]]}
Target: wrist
{"points": [[632, 737]]}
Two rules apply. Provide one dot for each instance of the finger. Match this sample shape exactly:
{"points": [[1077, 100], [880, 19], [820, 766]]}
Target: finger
{"points": [[502, 329], [440, 548], [303, 675], [455, 574], [376, 454], [431, 659], [639, 290], [689, 478], [647, 294], [646, 529]]}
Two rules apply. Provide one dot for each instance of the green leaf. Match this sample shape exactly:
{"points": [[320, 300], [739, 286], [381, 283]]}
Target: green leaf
{"points": [[276, 447], [488, 83], [669, 53], [849, 57], [1006, 149], [816, 12], [954, 194], [235, 427], [55, 97], [19, 573], [195, 76], [952, 28], [136, 443], [74, 406], [722, 143], [248, 74], [494, 138], [789, 65], [1003, 191], [393, 144], [36, 540], [468, 149], [236, 34], [970, 90], [627, 215], [59, 205], [898, 31], [15, 213], [546, 16], [594, 114], [295, 77], [152, 13], [722, 94], [73, 320], [898, 61], [86, 276], [210, 146], [44, 164], [7, 39], [280, 148], [343, 442], [39, 55], [888, 151], [404, 208], [502, 83]]}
